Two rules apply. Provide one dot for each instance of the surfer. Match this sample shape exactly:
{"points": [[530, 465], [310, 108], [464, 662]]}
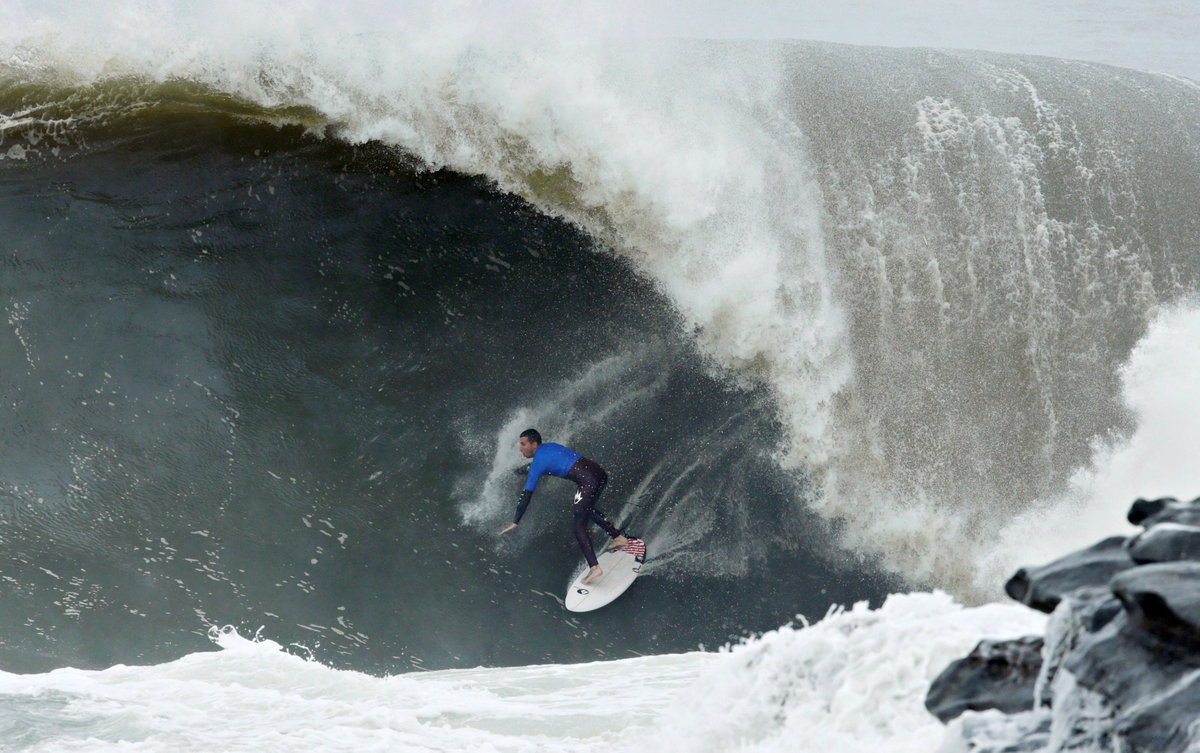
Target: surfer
{"points": [[589, 477]]}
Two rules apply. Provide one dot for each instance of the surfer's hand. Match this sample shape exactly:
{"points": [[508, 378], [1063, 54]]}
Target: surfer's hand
{"points": [[509, 528], [522, 471]]}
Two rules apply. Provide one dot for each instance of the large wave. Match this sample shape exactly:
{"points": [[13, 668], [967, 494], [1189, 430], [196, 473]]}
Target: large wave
{"points": [[936, 262]]}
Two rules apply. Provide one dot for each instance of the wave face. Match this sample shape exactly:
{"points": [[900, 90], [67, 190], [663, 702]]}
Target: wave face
{"points": [[257, 375], [280, 290], [1003, 230]]}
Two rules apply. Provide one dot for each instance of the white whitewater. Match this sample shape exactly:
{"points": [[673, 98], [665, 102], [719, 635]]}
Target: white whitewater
{"points": [[854, 682]]}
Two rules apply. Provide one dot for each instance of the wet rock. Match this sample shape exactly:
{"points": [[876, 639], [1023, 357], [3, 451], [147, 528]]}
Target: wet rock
{"points": [[1120, 665], [995, 675], [1164, 600], [1165, 542], [1043, 587], [1082, 614], [1101, 667], [1151, 512], [993, 732], [1166, 723]]}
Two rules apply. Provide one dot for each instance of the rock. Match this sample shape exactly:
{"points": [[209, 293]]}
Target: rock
{"points": [[1164, 600], [1080, 616], [995, 675], [1151, 512], [1144, 509], [1165, 542], [992, 732], [1114, 681], [1043, 587], [1119, 665], [1166, 723], [1119, 669]]}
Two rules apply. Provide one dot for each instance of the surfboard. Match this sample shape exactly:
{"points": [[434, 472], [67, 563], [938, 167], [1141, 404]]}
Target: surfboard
{"points": [[621, 567]]}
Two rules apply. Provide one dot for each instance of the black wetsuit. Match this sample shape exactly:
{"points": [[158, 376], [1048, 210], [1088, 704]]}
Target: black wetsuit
{"points": [[590, 479]]}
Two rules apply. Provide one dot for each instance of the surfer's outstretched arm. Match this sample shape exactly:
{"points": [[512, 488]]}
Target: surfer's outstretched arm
{"points": [[508, 528], [526, 495]]}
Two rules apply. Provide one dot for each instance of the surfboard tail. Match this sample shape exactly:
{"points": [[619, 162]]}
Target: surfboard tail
{"points": [[637, 548]]}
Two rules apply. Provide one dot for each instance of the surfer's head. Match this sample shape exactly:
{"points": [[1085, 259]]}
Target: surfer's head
{"points": [[530, 439]]}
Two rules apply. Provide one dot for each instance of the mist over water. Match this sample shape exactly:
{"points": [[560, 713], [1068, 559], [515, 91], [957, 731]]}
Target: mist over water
{"points": [[1002, 242]]}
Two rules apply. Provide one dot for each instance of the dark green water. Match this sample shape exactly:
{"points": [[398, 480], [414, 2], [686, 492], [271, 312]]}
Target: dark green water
{"points": [[255, 377]]}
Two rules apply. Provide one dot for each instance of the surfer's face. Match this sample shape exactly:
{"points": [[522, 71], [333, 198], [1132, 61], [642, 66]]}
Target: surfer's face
{"points": [[527, 447]]}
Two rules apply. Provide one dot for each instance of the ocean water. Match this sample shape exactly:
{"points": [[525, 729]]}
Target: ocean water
{"points": [[847, 306], [822, 686]]}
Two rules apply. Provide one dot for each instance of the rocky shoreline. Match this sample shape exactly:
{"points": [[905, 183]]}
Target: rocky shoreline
{"points": [[1119, 666]]}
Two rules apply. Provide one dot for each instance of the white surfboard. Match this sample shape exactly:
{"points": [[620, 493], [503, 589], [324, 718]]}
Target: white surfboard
{"points": [[621, 568]]}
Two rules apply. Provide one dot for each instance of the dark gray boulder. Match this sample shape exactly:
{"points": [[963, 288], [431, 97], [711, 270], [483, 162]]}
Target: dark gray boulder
{"points": [[1123, 665], [1119, 669], [1165, 542], [1027, 732], [1164, 723], [995, 675], [1151, 512], [1043, 587], [1164, 600], [1083, 614]]}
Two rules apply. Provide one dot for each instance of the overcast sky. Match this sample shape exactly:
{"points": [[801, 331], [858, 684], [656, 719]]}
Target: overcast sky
{"points": [[1160, 35]]}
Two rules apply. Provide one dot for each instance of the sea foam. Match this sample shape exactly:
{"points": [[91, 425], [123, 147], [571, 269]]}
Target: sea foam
{"points": [[854, 681]]}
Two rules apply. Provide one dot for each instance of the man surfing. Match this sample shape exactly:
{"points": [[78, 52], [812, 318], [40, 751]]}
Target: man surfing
{"points": [[589, 477]]}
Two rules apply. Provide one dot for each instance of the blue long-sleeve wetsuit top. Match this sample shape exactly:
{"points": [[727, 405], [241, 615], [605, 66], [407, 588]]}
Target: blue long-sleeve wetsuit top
{"points": [[550, 458]]}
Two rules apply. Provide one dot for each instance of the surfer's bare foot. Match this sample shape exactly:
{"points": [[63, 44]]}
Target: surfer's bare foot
{"points": [[618, 542], [592, 575]]}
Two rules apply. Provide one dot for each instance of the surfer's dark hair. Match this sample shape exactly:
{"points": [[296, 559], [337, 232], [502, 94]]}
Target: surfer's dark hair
{"points": [[532, 435]]}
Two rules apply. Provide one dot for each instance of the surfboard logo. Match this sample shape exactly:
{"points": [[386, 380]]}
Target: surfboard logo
{"points": [[582, 591]]}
